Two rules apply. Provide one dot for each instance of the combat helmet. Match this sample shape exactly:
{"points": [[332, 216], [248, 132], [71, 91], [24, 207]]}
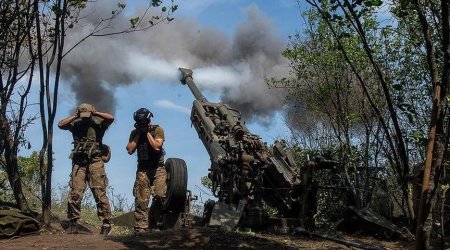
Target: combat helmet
{"points": [[142, 115]]}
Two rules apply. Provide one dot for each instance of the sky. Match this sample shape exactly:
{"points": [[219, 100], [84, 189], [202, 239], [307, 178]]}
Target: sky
{"points": [[231, 45]]}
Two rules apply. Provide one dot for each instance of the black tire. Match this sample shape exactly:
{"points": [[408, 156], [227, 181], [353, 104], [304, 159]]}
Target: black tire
{"points": [[176, 185], [171, 220]]}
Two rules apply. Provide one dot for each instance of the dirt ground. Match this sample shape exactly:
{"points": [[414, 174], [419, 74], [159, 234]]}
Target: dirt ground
{"points": [[194, 238]]}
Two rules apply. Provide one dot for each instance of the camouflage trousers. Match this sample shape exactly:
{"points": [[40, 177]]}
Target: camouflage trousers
{"points": [[94, 174], [149, 182]]}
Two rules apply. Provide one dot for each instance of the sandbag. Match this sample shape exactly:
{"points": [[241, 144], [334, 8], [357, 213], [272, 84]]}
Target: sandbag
{"points": [[16, 222]]}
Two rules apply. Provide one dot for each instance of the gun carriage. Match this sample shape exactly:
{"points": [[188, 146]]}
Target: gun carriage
{"points": [[244, 170]]}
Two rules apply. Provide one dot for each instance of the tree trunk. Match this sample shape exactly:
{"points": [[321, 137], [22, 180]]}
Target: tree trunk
{"points": [[11, 164], [47, 200], [425, 197], [436, 147]]}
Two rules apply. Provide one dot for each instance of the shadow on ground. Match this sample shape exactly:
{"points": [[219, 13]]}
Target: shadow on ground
{"points": [[198, 238]]}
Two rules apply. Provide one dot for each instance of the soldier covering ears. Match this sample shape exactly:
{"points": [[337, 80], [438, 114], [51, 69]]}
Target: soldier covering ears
{"points": [[147, 140], [88, 126]]}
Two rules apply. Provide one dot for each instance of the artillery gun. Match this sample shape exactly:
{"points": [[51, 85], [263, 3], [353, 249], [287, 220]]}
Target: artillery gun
{"points": [[244, 170]]}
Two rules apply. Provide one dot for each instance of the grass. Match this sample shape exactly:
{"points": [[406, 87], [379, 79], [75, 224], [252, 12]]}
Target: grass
{"points": [[89, 217]]}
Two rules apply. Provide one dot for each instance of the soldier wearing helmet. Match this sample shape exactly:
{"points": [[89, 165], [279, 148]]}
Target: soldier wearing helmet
{"points": [[89, 153], [147, 140]]}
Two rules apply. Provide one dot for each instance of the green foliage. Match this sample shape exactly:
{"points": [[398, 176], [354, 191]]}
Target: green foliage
{"points": [[396, 48], [206, 182], [271, 211], [334, 104], [357, 77], [134, 21], [80, 4], [6, 194], [29, 174], [246, 232], [29, 168], [156, 3]]}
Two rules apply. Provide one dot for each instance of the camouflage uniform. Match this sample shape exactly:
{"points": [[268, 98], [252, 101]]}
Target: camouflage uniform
{"points": [[150, 180], [88, 166]]}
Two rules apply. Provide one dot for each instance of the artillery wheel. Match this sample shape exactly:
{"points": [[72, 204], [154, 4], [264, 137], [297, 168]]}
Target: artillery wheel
{"points": [[171, 220], [176, 186]]}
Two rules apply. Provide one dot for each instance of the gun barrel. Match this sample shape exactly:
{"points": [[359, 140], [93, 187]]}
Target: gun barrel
{"points": [[186, 78]]}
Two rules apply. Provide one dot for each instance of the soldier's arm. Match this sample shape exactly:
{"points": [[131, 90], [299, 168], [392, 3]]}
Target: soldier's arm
{"points": [[66, 121], [156, 143], [132, 144], [106, 116]]}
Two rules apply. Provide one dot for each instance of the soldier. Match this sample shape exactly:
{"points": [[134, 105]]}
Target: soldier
{"points": [[88, 156], [148, 140]]}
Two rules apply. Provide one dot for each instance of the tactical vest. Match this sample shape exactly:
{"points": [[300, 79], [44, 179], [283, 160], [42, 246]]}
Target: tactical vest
{"points": [[145, 152], [87, 140]]}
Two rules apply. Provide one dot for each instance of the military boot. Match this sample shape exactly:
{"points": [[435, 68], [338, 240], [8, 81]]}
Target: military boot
{"points": [[154, 214], [73, 227], [106, 228]]}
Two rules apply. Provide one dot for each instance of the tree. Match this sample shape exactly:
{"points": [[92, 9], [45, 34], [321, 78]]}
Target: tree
{"points": [[414, 31], [436, 41], [332, 104], [16, 74], [352, 18]]}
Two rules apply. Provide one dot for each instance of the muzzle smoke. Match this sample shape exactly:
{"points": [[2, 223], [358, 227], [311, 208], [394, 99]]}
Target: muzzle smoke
{"points": [[233, 67]]}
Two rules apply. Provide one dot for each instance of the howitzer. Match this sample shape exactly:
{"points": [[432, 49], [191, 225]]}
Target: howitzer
{"points": [[243, 167]]}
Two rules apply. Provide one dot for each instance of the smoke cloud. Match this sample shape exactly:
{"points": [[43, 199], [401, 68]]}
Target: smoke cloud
{"points": [[235, 67]]}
